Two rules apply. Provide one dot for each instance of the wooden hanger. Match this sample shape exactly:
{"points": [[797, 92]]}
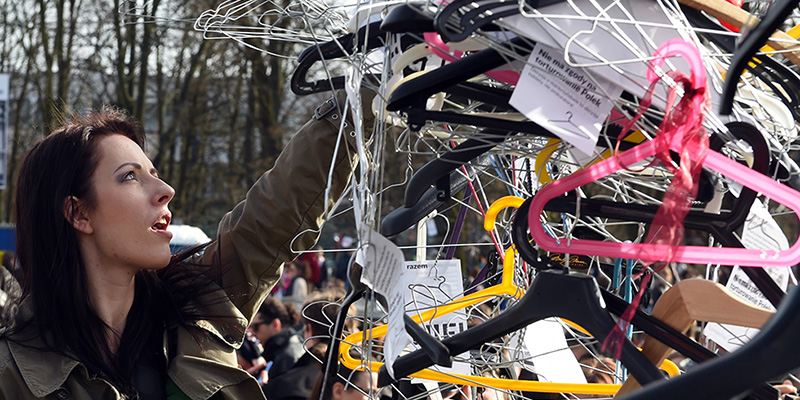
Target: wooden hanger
{"points": [[697, 300], [774, 351], [739, 18]]}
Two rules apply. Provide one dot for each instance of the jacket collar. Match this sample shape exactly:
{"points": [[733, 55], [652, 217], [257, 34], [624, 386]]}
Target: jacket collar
{"points": [[42, 370]]}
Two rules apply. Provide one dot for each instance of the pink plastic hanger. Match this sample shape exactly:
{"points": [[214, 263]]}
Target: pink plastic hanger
{"points": [[657, 252]]}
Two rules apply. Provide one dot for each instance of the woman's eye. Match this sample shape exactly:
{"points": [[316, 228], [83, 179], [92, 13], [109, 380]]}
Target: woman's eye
{"points": [[129, 176]]}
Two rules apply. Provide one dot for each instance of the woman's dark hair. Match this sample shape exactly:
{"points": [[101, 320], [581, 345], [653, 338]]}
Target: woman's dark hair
{"points": [[57, 167], [273, 308]]}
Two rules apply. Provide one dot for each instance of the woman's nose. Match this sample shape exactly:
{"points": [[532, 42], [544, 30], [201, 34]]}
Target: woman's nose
{"points": [[165, 192]]}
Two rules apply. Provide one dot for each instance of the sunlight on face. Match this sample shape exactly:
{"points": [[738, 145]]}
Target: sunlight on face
{"points": [[130, 215]]}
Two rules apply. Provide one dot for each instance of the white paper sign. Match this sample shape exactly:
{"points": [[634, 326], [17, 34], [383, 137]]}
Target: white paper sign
{"points": [[761, 231], [428, 284], [396, 337], [565, 100], [611, 44], [612, 38], [382, 261], [552, 359], [731, 337]]}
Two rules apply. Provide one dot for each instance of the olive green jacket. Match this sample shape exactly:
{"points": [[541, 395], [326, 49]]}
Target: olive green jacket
{"points": [[282, 212]]}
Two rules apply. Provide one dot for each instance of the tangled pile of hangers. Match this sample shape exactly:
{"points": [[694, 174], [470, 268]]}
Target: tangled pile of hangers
{"points": [[579, 107]]}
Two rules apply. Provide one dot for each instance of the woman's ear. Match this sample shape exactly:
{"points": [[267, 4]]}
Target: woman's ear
{"points": [[75, 212]]}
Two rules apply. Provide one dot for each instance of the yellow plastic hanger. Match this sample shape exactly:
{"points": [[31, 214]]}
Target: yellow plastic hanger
{"points": [[553, 144], [505, 288]]}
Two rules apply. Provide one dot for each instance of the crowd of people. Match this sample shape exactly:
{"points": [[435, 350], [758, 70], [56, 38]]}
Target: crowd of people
{"points": [[289, 337]]}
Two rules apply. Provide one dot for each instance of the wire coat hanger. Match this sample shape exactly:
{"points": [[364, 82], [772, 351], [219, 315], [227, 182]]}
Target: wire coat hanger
{"points": [[506, 287], [653, 252], [578, 300]]}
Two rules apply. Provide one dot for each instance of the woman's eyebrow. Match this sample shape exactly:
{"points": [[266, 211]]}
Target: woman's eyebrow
{"points": [[133, 164]]}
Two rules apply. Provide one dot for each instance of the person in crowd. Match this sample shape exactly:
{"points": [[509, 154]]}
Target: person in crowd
{"points": [[342, 264], [334, 285], [490, 393], [10, 289], [347, 384], [312, 263], [296, 291], [250, 359], [272, 326], [107, 311], [319, 313]]}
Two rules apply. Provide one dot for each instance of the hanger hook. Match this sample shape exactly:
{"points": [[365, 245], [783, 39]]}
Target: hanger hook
{"points": [[679, 47]]}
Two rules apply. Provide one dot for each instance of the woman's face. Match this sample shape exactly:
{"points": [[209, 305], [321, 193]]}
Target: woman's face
{"points": [[130, 216]]}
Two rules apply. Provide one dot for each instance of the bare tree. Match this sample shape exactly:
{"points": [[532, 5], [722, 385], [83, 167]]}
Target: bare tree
{"points": [[57, 29], [216, 111]]}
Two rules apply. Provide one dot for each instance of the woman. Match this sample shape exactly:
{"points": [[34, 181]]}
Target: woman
{"points": [[106, 313]]}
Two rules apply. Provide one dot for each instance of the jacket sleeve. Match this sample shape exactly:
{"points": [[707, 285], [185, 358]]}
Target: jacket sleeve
{"points": [[282, 212]]}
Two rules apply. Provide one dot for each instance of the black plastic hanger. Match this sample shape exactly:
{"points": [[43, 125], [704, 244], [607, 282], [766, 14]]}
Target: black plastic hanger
{"points": [[407, 18], [494, 99], [459, 19], [755, 39], [433, 199], [441, 168], [769, 70], [575, 297], [418, 117], [337, 48], [415, 92]]}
